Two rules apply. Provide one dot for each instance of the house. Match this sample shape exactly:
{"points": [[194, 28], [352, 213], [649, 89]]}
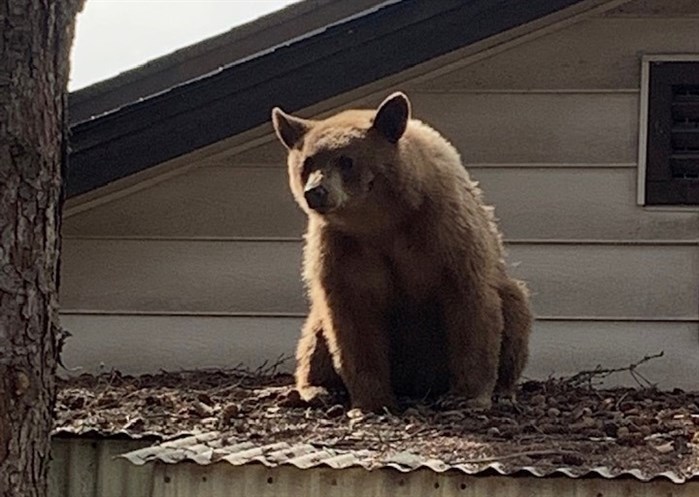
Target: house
{"points": [[182, 243]]}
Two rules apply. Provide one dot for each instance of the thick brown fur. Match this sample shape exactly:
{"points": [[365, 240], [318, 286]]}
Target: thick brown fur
{"points": [[403, 264]]}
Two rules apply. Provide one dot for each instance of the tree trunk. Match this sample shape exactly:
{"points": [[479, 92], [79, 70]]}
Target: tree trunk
{"points": [[35, 40]]}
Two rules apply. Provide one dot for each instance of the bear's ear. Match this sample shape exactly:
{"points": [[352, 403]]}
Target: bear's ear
{"points": [[392, 116], [289, 129]]}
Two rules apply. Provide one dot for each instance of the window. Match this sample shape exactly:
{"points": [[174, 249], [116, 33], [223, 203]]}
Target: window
{"points": [[669, 149]]}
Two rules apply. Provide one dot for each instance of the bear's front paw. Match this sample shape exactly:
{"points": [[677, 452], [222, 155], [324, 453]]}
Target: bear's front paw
{"points": [[507, 399], [316, 396], [308, 396], [481, 403], [375, 404], [453, 400]]}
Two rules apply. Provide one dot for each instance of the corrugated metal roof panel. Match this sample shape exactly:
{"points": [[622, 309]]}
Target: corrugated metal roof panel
{"points": [[256, 480], [88, 468], [207, 448], [87, 431]]}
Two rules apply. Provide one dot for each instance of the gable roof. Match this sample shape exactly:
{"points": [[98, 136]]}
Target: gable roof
{"points": [[380, 41], [210, 55]]}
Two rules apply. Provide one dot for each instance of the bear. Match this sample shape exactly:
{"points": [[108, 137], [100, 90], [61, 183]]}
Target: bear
{"points": [[403, 264]]}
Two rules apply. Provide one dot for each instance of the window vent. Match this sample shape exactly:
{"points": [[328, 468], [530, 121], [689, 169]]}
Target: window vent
{"points": [[684, 157], [672, 146]]}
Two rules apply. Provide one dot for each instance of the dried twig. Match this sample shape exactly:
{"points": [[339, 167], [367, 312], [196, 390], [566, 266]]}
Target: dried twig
{"points": [[270, 369], [586, 377], [267, 368], [621, 399]]}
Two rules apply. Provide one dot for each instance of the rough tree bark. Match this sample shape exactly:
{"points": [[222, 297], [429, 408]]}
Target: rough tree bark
{"points": [[35, 40]]}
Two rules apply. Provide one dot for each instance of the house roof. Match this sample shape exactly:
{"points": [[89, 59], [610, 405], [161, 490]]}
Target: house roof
{"points": [[172, 106], [209, 55], [559, 427]]}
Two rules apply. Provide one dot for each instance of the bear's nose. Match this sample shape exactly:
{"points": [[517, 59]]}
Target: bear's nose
{"points": [[316, 197]]}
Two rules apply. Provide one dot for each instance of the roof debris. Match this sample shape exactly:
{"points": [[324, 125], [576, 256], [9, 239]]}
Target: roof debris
{"points": [[559, 425]]}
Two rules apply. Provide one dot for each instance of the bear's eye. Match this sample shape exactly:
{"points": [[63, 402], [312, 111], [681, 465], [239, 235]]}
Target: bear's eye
{"points": [[346, 164]]}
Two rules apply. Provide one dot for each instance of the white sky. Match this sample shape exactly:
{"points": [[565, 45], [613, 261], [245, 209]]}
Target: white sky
{"points": [[115, 35]]}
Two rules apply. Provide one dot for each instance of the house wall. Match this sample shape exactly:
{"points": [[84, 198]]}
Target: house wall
{"points": [[203, 269]]}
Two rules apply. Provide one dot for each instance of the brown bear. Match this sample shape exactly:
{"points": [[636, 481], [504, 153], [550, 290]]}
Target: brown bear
{"points": [[403, 264]]}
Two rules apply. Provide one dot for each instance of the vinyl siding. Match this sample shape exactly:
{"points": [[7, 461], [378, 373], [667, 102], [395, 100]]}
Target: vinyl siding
{"points": [[169, 342], [570, 201], [226, 276], [603, 53]]}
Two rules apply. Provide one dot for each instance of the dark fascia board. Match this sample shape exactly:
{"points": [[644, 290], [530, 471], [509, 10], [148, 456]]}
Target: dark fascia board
{"points": [[210, 54], [239, 97]]}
